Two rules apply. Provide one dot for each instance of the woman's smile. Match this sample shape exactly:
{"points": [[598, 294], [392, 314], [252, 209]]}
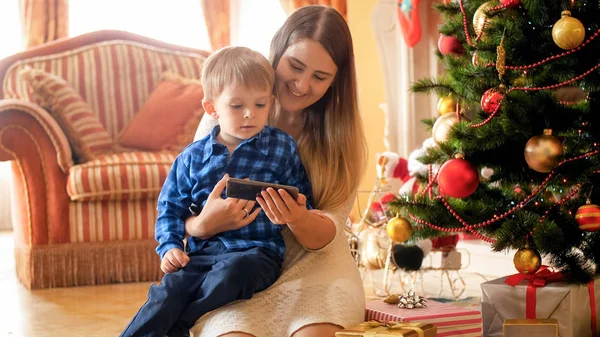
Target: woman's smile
{"points": [[295, 93]]}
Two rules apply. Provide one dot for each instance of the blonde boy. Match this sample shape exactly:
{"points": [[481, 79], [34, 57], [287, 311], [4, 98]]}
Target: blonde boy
{"points": [[227, 266]]}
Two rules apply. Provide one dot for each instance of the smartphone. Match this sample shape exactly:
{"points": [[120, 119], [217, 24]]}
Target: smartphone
{"points": [[250, 189]]}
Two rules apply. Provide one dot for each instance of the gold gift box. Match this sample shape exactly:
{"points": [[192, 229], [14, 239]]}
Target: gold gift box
{"points": [[390, 329], [530, 327]]}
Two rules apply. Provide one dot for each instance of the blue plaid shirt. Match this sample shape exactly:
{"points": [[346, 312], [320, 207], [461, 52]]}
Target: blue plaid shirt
{"points": [[270, 156]]}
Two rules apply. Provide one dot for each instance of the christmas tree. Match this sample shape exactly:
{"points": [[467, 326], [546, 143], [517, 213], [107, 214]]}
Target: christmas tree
{"points": [[517, 155]]}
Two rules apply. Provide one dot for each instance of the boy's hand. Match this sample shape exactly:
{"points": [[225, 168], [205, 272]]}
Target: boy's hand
{"points": [[221, 215], [174, 260], [280, 207]]}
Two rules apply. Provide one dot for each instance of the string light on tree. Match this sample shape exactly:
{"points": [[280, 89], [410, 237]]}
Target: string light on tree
{"points": [[548, 197]]}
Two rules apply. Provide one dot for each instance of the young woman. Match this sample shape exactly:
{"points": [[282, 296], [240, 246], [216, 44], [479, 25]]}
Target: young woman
{"points": [[320, 290]]}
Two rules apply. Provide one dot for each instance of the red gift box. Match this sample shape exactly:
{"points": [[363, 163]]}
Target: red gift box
{"points": [[451, 320]]}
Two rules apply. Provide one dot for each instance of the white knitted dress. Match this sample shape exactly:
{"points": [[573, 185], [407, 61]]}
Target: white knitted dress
{"points": [[321, 286]]}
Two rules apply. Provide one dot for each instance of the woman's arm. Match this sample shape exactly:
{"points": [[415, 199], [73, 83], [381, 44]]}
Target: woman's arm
{"points": [[313, 230], [339, 216]]}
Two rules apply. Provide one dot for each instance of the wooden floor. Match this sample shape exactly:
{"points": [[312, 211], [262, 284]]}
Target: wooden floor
{"points": [[105, 310], [67, 312]]}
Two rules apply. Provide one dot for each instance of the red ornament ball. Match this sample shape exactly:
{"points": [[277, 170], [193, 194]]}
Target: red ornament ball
{"points": [[588, 217], [450, 45], [510, 3], [458, 178], [491, 99]]}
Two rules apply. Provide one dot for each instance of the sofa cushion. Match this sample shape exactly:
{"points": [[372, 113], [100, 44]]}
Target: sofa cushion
{"points": [[115, 77], [169, 118], [120, 176], [86, 134]]}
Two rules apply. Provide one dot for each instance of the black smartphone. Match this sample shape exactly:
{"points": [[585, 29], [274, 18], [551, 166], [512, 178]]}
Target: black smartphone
{"points": [[250, 189]]}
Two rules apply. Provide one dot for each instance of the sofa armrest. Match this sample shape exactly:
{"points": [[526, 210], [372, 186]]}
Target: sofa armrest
{"points": [[56, 135], [41, 157]]}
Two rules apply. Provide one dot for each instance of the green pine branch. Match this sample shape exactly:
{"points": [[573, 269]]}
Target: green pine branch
{"points": [[499, 144]]}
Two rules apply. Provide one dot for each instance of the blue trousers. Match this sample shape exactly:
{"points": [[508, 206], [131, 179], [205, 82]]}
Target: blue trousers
{"points": [[213, 277]]}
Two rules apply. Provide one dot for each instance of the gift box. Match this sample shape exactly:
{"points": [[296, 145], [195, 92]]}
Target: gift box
{"points": [[450, 320], [380, 329], [530, 327], [574, 306], [467, 330]]}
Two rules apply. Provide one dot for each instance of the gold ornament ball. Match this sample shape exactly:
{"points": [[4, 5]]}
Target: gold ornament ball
{"points": [[543, 153], [568, 32], [399, 229], [527, 261], [479, 18], [441, 127], [446, 105]]}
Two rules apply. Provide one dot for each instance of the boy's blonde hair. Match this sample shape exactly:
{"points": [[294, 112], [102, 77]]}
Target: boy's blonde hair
{"points": [[235, 66]]}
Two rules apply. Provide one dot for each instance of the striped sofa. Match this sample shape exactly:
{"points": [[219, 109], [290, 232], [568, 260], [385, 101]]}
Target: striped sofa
{"points": [[92, 222]]}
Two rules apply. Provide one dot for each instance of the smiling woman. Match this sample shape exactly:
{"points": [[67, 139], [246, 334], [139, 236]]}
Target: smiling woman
{"points": [[305, 72]]}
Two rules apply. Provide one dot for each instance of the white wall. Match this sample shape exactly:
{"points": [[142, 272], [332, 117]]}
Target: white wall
{"points": [[402, 66]]}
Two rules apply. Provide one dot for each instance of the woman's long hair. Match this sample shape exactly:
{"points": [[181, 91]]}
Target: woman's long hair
{"points": [[332, 143]]}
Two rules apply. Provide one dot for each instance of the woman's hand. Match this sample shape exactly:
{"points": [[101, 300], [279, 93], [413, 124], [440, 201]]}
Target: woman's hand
{"points": [[313, 229], [281, 208], [221, 215]]}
